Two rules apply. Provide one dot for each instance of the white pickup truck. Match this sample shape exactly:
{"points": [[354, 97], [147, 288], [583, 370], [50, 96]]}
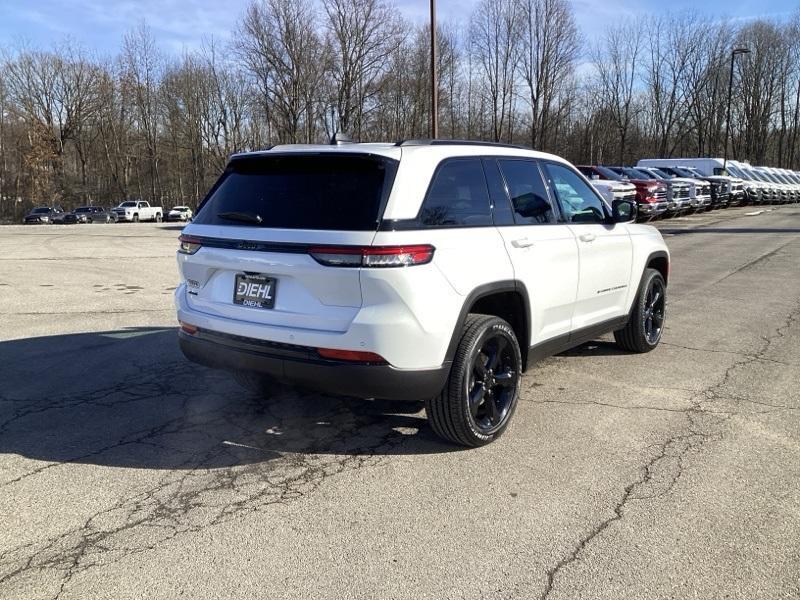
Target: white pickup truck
{"points": [[138, 210]]}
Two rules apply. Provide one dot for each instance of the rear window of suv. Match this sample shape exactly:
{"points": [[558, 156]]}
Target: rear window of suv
{"points": [[343, 192]]}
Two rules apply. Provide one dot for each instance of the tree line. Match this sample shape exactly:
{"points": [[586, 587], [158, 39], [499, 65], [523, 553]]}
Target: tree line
{"points": [[78, 128]]}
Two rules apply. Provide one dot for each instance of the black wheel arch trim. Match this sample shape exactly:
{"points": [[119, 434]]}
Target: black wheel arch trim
{"points": [[484, 291], [654, 255]]}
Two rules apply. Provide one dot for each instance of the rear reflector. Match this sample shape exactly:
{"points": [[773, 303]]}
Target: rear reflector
{"points": [[372, 256], [351, 355], [190, 329]]}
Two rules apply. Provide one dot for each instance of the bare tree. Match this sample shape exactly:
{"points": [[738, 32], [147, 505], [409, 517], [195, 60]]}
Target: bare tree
{"points": [[494, 35], [75, 128], [550, 44], [142, 66], [362, 34], [284, 52], [617, 63]]}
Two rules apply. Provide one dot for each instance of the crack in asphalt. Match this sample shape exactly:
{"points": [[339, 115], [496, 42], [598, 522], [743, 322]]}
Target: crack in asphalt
{"points": [[714, 351], [192, 495], [671, 453], [608, 405]]}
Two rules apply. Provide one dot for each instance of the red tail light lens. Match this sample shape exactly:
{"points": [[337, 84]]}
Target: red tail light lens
{"points": [[372, 256], [188, 244], [351, 355]]}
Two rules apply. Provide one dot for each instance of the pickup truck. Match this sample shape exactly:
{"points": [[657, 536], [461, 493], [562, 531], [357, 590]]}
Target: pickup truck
{"points": [[138, 210]]}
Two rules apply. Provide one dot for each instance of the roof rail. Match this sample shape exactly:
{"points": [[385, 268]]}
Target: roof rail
{"points": [[341, 138], [431, 142]]}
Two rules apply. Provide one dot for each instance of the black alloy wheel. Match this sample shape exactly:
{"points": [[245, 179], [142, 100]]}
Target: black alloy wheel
{"points": [[482, 389], [492, 384], [646, 322], [654, 309]]}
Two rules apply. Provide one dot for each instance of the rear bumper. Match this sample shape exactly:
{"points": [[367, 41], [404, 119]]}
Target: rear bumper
{"points": [[300, 365]]}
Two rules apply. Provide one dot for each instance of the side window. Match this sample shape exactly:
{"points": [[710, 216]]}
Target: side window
{"points": [[457, 196], [527, 191], [579, 203], [503, 214]]}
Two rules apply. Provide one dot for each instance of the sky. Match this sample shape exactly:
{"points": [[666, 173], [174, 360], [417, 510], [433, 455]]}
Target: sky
{"points": [[183, 24]]}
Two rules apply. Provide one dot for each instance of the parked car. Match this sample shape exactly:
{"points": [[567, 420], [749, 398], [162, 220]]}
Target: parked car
{"points": [[138, 210], [771, 191], [699, 190], [409, 271], [651, 195], [792, 190], [64, 218], [106, 216], [734, 191], [794, 178], [754, 187], [677, 193], [179, 213], [42, 215], [718, 186], [84, 214]]}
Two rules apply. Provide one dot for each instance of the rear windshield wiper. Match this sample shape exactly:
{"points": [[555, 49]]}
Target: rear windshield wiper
{"points": [[244, 217]]}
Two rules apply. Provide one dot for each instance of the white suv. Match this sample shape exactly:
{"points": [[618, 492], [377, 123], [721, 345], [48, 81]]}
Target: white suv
{"points": [[432, 270]]}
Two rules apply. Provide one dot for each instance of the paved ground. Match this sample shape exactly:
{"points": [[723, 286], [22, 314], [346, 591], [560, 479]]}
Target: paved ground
{"points": [[126, 472]]}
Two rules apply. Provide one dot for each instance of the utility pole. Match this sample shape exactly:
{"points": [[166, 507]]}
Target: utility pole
{"points": [[728, 119], [434, 77]]}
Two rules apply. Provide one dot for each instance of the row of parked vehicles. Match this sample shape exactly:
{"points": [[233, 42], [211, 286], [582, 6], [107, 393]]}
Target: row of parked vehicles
{"points": [[667, 187], [131, 211]]}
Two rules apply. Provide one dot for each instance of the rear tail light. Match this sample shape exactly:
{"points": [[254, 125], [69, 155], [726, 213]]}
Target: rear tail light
{"points": [[372, 256], [188, 244], [351, 356]]}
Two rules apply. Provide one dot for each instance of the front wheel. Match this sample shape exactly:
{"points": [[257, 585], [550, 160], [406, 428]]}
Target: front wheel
{"points": [[135, 218], [646, 323], [481, 393]]}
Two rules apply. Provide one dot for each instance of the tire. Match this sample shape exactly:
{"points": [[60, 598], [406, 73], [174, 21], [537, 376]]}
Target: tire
{"points": [[158, 218], [256, 383], [135, 218], [485, 341], [646, 324]]}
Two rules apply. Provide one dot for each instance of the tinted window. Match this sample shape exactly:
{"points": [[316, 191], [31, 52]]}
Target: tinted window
{"points": [[608, 173], [457, 196], [527, 191], [502, 214], [579, 203], [301, 192]]}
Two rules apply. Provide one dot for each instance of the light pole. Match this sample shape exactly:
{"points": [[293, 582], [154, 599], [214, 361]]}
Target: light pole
{"points": [[434, 76], [728, 119]]}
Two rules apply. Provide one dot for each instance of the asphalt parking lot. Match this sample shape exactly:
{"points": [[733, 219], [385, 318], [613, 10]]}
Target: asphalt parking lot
{"points": [[126, 472]]}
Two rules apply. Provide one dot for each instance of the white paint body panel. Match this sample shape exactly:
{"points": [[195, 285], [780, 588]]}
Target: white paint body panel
{"points": [[408, 315]]}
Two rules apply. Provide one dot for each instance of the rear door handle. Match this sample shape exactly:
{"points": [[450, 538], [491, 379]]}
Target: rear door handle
{"points": [[522, 243], [587, 237]]}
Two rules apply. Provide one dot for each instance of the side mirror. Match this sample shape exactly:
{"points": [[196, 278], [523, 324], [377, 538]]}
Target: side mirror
{"points": [[623, 211]]}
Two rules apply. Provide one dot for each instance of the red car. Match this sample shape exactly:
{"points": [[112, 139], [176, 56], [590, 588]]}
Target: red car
{"points": [[651, 194]]}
